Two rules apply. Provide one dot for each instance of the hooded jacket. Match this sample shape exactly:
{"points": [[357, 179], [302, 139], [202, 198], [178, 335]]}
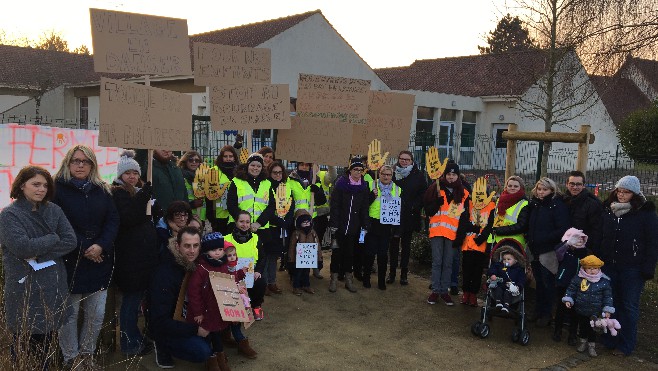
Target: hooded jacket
{"points": [[299, 236]]}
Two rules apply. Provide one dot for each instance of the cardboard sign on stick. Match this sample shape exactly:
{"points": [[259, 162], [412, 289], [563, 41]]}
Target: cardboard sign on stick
{"points": [[307, 255], [326, 142], [138, 116], [253, 106], [389, 120], [328, 97], [140, 44], [231, 305], [389, 211], [223, 64]]}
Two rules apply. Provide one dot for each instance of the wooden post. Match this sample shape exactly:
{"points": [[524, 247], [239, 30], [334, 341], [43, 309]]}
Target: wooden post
{"points": [[510, 158], [583, 149]]}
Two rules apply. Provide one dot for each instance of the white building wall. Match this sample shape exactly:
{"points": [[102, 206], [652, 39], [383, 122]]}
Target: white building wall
{"points": [[634, 74], [53, 107], [9, 101]]}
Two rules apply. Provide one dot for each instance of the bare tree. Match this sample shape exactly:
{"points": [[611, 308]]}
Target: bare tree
{"points": [[597, 34]]}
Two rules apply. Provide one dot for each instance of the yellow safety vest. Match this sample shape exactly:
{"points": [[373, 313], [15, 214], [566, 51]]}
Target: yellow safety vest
{"points": [[326, 189], [510, 217], [375, 207], [245, 250], [302, 197], [368, 179], [254, 203], [221, 210], [201, 211]]}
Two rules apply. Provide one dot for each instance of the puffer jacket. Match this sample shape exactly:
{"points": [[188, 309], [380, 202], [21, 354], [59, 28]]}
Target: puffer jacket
{"points": [[349, 206], [585, 213], [413, 188], [548, 220], [596, 298], [631, 240]]}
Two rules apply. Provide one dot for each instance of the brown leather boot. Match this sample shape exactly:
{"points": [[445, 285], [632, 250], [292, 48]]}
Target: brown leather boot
{"points": [[211, 363], [246, 350], [227, 339], [222, 362]]}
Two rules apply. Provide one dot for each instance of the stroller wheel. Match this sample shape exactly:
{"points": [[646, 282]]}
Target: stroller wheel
{"points": [[516, 335], [525, 337], [475, 328], [484, 330]]}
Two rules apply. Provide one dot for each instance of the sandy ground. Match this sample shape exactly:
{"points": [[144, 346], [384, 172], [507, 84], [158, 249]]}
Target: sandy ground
{"points": [[388, 330]]}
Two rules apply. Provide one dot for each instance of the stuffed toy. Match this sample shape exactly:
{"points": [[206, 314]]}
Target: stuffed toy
{"points": [[605, 325]]}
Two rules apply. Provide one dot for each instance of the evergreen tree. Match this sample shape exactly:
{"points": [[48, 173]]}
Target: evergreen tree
{"points": [[510, 35]]}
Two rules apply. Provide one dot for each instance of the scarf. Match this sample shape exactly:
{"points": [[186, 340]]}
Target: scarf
{"points": [[353, 182], [79, 183], [620, 208], [228, 168], [590, 277], [402, 172], [305, 177], [455, 190], [188, 174], [214, 262], [232, 265], [385, 191], [241, 236], [506, 200]]}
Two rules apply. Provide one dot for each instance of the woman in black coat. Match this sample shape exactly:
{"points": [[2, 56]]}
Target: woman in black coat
{"points": [[349, 214], [548, 220], [88, 205], [629, 249], [412, 181], [136, 249]]}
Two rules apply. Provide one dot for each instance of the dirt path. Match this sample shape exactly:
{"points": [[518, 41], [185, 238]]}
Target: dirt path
{"points": [[388, 330]]}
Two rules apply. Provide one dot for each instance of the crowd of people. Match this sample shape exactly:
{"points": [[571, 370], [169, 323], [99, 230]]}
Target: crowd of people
{"points": [[66, 239]]}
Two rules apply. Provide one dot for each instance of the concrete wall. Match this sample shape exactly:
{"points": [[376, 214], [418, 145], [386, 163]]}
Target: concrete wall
{"points": [[9, 101], [55, 104]]}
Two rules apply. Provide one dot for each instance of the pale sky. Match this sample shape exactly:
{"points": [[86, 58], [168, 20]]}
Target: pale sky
{"points": [[384, 33]]}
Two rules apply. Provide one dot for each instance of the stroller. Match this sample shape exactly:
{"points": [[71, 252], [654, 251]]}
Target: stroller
{"points": [[520, 333]]}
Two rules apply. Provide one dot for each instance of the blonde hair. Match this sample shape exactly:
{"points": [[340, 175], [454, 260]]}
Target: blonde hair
{"points": [[64, 173], [546, 183], [518, 179], [387, 167]]}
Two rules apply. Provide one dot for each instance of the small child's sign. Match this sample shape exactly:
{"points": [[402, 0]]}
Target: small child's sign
{"points": [[390, 210], [249, 276], [307, 255], [229, 300]]}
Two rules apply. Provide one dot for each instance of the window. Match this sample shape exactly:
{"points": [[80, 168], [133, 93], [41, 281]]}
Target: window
{"points": [[448, 115], [425, 119], [500, 142], [467, 145], [469, 116], [84, 112]]}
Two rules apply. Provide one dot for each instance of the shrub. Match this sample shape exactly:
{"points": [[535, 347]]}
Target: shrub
{"points": [[420, 248], [638, 133]]}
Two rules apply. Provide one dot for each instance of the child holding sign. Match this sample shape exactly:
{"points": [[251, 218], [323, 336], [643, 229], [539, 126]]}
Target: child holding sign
{"points": [[303, 234]]}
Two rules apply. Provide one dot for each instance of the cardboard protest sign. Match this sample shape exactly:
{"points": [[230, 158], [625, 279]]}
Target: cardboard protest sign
{"points": [[45, 146], [139, 43], [328, 97], [249, 276], [389, 211], [326, 142], [138, 116], [248, 107], [389, 120], [223, 64], [306, 255], [230, 302]]}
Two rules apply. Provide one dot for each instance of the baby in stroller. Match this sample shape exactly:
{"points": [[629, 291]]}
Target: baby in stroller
{"points": [[506, 278]]}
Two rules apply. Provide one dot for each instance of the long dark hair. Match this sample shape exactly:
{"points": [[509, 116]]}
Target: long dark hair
{"points": [[636, 201], [227, 148], [283, 169], [27, 173]]}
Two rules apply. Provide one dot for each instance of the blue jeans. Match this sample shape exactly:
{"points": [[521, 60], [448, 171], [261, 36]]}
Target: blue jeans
{"points": [[192, 349], [131, 337], [442, 255], [545, 289], [627, 286], [70, 342], [236, 330], [454, 277]]}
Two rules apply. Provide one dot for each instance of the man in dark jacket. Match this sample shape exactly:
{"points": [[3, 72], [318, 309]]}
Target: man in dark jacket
{"points": [[172, 335], [168, 181], [585, 209]]}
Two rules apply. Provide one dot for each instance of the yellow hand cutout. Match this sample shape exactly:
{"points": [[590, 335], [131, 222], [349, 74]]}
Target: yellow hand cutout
{"points": [[200, 181], [283, 202], [480, 197], [434, 166], [375, 158]]}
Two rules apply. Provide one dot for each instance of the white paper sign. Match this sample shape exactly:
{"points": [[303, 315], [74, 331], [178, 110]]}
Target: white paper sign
{"points": [[249, 277], [390, 210], [307, 255]]}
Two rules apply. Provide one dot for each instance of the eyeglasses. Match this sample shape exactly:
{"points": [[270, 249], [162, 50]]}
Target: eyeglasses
{"points": [[386, 174], [180, 215], [78, 162], [624, 192], [404, 159], [277, 172], [357, 169], [572, 184], [193, 160]]}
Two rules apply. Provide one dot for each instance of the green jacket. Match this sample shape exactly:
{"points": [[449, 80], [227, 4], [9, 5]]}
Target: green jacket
{"points": [[168, 183]]}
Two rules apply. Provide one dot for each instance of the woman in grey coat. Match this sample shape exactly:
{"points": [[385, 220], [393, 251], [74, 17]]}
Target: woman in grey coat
{"points": [[35, 235]]}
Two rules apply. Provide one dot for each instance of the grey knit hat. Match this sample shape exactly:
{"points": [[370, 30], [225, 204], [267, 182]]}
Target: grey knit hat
{"points": [[630, 182], [127, 162]]}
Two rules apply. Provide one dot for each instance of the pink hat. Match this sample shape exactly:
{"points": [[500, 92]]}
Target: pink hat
{"points": [[228, 245]]}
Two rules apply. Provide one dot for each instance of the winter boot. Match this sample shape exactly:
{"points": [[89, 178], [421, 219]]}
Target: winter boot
{"points": [[366, 282], [582, 346], [211, 363], [222, 362], [227, 339], [391, 277], [591, 349], [317, 274], [349, 284], [246, 350], [367, 271], [403, 277], [333, 282]]}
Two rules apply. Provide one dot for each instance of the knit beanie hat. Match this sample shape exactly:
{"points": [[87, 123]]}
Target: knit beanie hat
{"points": [[451, 167], [591, 261], [228, 246], [255, 157], [356, 162], [127, 162], [212, 241], [630, 182]]}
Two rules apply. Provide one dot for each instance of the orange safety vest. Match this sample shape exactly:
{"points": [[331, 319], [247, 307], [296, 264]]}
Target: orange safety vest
{"points": [[483, 216], [444, 223]]}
